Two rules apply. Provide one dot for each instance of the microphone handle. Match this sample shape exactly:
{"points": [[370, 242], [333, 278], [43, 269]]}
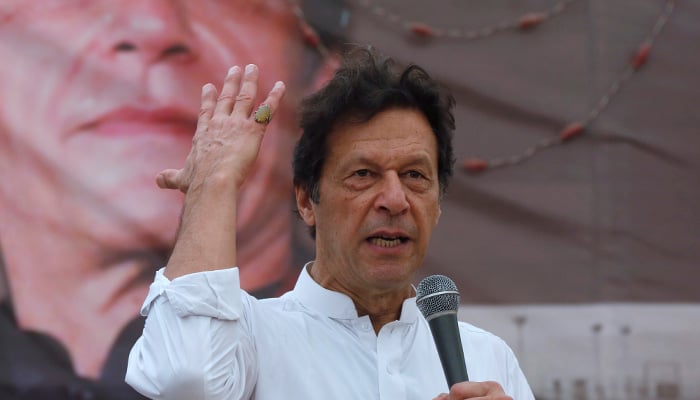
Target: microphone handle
{"points": [[449, 346]]}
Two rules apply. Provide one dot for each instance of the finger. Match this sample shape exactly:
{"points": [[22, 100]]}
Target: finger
{"points": [[229, 91], [493, 388], [273, 98], [469, 390], [168, 179], [249, 88], [207, 107]]}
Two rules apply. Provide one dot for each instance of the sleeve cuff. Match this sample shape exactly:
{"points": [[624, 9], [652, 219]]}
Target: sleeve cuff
{"points": [[214, 294]]}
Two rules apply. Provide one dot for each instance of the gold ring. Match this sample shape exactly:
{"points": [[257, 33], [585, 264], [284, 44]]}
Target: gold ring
{"points": [[263, 114]]}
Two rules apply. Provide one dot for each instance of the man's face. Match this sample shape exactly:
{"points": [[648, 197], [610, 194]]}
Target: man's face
{"points": [[379, 200], [99, 96]]}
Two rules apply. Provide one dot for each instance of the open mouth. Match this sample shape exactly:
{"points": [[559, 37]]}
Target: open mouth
{"points": [[387, 241]]}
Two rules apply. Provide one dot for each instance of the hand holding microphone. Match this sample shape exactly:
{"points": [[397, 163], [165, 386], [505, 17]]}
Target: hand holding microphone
{"points": [[470, 390]]}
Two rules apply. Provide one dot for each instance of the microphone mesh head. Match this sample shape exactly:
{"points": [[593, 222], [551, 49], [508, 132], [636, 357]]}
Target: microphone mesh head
{"points": [[437, 294]]}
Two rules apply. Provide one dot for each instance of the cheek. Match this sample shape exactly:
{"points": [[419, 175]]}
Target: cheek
{"points": [[35, 150], [428, 216], [27, 88], [239, 40]]}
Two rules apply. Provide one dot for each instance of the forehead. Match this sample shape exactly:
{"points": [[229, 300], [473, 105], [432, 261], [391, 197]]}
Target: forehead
{"points": [[390, 134], [52, 9]]}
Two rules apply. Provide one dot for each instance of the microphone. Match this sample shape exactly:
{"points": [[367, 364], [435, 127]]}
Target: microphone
{"points": [[438, 300]]}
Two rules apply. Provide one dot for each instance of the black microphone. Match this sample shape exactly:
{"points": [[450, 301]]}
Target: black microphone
{"points": [[438, 299]]}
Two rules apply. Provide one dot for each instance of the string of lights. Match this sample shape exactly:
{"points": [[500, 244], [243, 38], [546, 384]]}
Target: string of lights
{"points": [[524, 23]]}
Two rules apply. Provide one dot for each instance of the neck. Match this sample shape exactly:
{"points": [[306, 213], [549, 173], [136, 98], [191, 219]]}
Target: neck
{"points": [[381, 309], [382, 305], [64, 286]]}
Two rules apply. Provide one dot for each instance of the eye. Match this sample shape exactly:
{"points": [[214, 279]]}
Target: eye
{"points": [[414, 174], [362, 173]]}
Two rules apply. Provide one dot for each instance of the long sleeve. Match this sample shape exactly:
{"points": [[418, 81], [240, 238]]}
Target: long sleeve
{"points": [[195, 343]]}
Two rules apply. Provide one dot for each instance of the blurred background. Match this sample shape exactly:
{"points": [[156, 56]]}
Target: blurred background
{"points": [[572, 225]]}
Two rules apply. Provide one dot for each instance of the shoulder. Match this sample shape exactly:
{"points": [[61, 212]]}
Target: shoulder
{"points": [[267, 309], [475, 333], [489, 358], [487, 347]]}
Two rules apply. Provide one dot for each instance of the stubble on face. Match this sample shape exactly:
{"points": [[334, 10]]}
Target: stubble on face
{"points": [[379, 202]]}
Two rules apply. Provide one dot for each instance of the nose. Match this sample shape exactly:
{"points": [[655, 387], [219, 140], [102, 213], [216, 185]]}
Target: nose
{"points": [[150, 31], [392, 197]]}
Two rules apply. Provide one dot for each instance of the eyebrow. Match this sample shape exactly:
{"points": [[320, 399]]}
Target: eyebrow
{"points": [[417, 159]]}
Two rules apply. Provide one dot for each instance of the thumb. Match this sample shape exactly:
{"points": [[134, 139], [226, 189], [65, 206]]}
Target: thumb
{"points": [[170, 179]]}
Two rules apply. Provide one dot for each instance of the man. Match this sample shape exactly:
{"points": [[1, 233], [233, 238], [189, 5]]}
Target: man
{"points": [[374, 158], [98, 96]]}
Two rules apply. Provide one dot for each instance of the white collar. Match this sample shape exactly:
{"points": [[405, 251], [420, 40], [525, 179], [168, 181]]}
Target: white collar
{"points": [[338, 305]]}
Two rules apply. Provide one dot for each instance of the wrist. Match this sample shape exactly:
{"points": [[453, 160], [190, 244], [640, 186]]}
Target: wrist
{"points": [[216, 184]]}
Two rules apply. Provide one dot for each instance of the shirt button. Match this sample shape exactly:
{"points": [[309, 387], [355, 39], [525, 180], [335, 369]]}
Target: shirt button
{"points": [[389, 370]]}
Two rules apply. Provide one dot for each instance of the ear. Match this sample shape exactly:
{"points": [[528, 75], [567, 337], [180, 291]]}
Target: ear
{"points": [[437, 216], [305, 206]]}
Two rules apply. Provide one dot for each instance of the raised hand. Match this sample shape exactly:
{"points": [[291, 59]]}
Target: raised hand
{"points": [[229, 132], [224, 149]]}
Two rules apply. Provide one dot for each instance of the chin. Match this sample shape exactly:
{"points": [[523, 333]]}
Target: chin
{"points": [[140, 223], [392, 277], [140, 237]]}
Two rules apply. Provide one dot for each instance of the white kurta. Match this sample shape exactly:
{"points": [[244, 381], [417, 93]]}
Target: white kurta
{"points": [[205, 338]]}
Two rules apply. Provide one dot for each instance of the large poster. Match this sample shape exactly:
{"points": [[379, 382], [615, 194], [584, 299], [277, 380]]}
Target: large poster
{"points": [[571, 225]]}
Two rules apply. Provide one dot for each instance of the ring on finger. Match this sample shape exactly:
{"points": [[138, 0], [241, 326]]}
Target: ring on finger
{"points": [[263, 114]]}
